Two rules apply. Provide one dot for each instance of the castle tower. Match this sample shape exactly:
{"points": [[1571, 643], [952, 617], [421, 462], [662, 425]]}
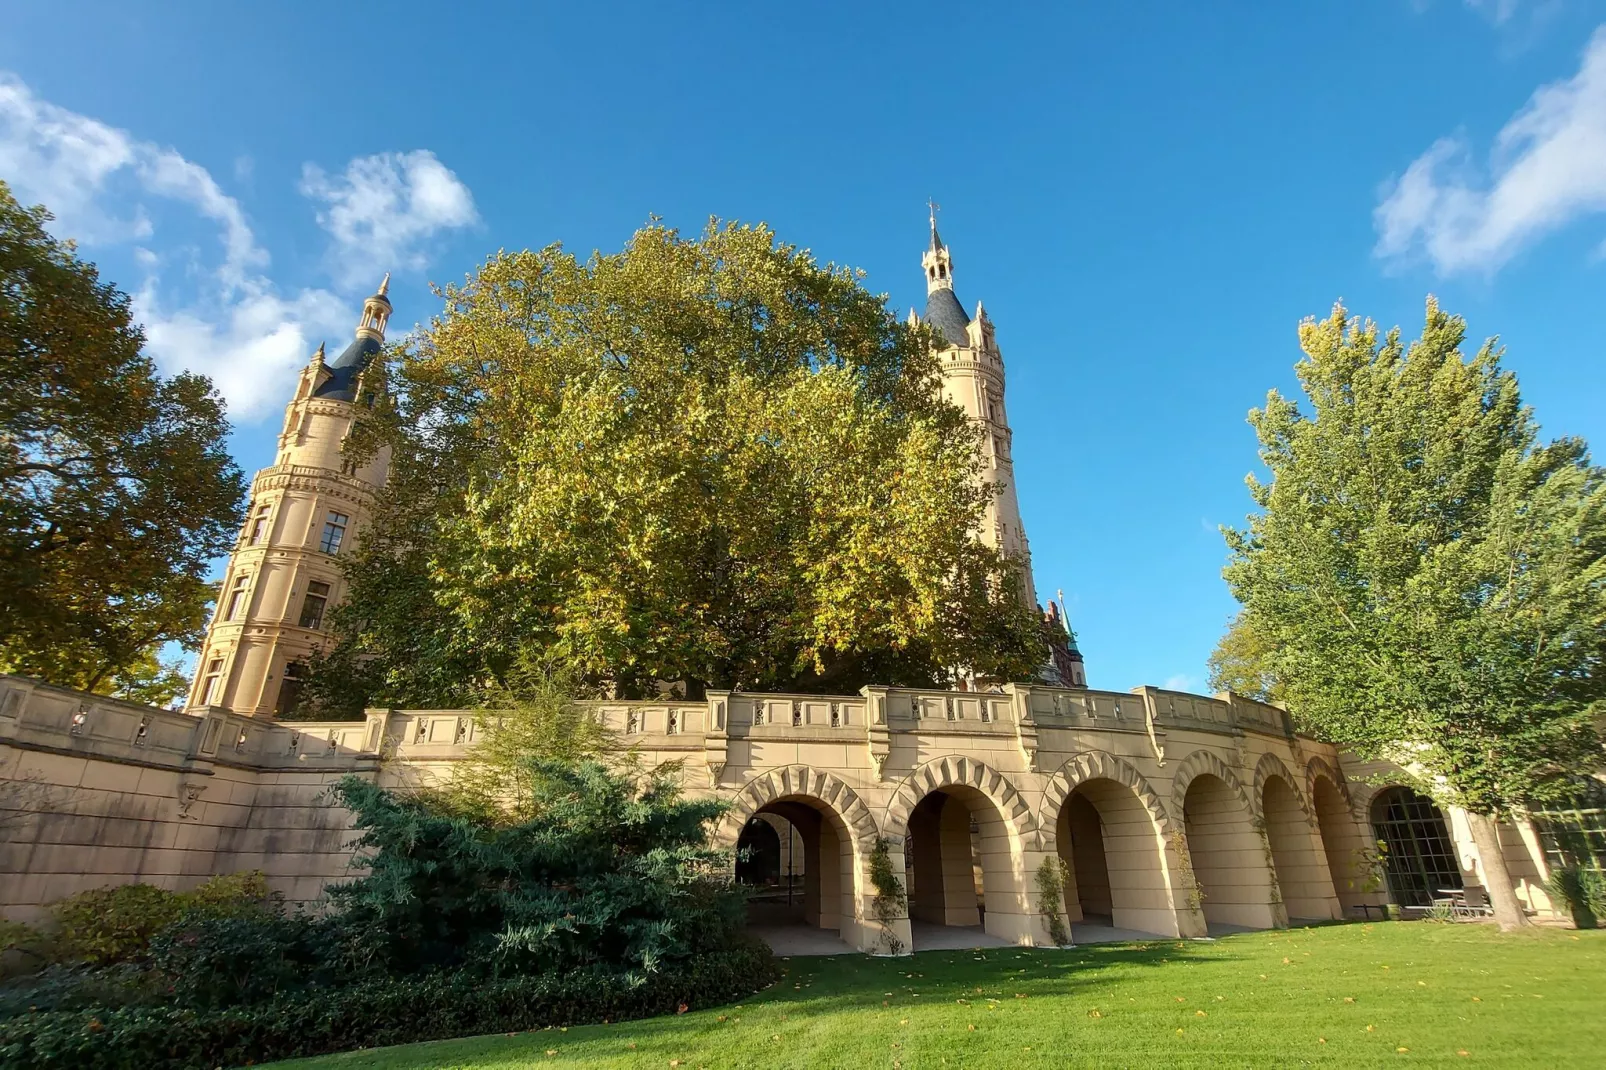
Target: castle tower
{"points": [[306, 510], [973, 379]]}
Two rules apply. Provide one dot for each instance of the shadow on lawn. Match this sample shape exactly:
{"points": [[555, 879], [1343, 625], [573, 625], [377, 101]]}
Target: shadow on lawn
{"points": [[841, 981]]}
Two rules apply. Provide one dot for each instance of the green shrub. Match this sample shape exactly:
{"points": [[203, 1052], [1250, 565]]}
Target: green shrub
{"points": [[22, 947], [75, 986], [601, 869], [426, 1007], [221, 961], [106, 925], [1579, 890], [1051, 884], [102, 926]]}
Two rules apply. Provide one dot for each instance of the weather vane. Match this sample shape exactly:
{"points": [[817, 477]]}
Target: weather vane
{"points": [[935, 208]]}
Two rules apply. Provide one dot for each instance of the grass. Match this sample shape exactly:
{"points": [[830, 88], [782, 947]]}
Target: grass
{"points": [[1338, 995]]}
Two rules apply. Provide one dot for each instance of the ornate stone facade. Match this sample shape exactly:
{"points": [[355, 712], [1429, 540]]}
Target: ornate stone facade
{"points": [[310, 506], [1173, 813]]}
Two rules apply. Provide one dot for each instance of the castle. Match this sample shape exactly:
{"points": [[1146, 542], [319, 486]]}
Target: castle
{"points": [[1172, 814]]}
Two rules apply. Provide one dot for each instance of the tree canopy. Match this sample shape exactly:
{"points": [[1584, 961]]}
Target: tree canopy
{"points": [[707, 461], [1425, 581], [116, 486]]}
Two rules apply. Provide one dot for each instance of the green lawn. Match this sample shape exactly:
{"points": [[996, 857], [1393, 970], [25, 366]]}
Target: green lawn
{"points": [[1340, 995]]}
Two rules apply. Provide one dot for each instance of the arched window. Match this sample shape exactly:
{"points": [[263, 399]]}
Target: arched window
{"points": [[1420, 864]]}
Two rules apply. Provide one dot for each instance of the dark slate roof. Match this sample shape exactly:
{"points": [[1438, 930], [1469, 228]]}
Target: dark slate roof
{"points": [[344, 369], [945, 315]]}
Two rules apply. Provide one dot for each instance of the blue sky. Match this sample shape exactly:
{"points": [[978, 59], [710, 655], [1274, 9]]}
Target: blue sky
{"points": [[1147, 196]]}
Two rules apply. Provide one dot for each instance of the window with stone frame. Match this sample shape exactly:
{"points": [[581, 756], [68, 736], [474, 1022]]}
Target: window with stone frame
{"points": [[210, 682], [237, 593], [313, 604], [334, 533], [259, 525], [290, 688]]}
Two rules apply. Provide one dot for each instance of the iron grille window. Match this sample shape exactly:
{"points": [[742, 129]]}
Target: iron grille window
{"points": [[312, 606], [334, 533], [1574, 832], [1421, 862]]}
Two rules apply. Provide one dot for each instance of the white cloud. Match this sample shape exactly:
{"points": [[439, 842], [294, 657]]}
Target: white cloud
{"points": [[69, 161], [1547, 169], [1182, 682], [251, 349], [383, 210], [236, 326]]}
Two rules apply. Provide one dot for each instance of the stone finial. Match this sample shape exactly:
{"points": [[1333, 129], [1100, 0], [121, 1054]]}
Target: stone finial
{"points": [[384, 285], [317, 356]]}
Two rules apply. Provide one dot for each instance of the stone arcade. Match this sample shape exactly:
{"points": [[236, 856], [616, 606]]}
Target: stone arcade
{"points": [[1175, 814]]}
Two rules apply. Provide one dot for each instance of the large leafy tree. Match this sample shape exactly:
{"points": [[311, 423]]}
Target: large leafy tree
{"points": [[709, 462], [1426, 580], [116, 486], [1241, 662]]}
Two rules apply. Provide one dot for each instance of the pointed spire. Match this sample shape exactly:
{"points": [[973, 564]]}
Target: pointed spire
{"points": [[376, 313], [981, 313], [936, 240], [317, 357]]}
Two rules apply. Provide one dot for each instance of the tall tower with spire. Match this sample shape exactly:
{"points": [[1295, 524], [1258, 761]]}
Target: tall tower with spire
{"points": [[306, 510], [973, 379]]}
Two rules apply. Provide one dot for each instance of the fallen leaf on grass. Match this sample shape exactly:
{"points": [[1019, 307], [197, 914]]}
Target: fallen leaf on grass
{"points": [[1095, 1013], [1199, 1014]]}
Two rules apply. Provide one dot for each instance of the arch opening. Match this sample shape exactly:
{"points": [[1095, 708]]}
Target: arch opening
{"points": [[1344, 845], [957, 867], [1229, 858], [795, 855], [1420, 863], [1296, 855], [1114, 860]]}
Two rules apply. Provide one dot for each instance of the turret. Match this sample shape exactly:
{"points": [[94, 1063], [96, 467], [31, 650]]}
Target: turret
{"points": [[973, 379], [307, 510]]}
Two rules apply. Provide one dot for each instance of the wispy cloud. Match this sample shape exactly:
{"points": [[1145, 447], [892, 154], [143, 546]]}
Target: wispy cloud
{"points": [[107, 187], [383, 210], [1183, 682], [1498, 12], [1547, 170]]}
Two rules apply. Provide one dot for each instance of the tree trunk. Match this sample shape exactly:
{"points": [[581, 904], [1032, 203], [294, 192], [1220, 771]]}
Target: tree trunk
{"points": [[1497, 878]]}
